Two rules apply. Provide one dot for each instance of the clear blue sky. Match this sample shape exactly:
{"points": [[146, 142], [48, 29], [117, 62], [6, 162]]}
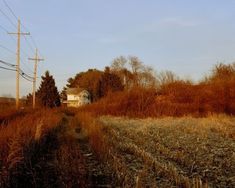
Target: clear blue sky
{"points": [[185, 36]]}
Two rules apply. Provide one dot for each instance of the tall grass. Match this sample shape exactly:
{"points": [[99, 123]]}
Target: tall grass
{"points": [[21, 139]]}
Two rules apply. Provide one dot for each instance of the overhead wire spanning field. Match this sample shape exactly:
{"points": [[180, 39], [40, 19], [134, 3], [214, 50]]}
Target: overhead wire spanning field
{"points": [[22, 73], [11, 18]]}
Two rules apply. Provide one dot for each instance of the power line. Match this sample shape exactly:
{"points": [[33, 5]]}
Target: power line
{"points": [[7, 68], [26, 65], [8, 64], [30, 77], [30, 46], [8, 18], [12, 12], [35, 44], [24, 52], [7, 49], [20, 70], [3, 28], [25, 28], [11, 51], [32, 39], [23, 76], [12, 38]]}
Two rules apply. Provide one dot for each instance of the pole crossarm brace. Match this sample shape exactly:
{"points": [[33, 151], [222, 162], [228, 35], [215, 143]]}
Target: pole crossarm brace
{"points": [[34, 59], [18, 33]]}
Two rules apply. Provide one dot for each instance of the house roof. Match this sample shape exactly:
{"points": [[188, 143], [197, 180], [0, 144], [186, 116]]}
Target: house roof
{"points": [[74, 91]]}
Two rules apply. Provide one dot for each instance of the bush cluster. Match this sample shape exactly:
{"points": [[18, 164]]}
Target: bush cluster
{"points": [[215, 94]]}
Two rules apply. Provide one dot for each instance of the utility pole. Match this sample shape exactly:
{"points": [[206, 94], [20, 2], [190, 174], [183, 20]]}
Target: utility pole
{"points": [[36, 59], [18, 63]]}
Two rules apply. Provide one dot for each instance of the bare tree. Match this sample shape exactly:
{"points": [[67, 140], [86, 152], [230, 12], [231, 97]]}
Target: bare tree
{"points": [[133, 73], [167, 77], [118, 63]]}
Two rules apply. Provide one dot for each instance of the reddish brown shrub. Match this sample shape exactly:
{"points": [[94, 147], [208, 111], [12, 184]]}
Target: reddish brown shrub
{"points": [[177, 98]]}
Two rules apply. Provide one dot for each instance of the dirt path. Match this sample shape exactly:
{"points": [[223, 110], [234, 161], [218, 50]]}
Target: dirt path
{"points": [[64, 159], [96, 173]]}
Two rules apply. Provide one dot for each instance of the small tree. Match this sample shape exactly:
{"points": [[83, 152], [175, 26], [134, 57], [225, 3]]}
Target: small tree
{"points": [[47, 93]]}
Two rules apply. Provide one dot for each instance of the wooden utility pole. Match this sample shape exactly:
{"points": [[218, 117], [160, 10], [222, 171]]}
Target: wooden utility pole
{"points": [[36, 59], [18, 63]]}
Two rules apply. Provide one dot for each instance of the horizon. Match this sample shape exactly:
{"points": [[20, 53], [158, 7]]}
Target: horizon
{"points": [[187, 38]]}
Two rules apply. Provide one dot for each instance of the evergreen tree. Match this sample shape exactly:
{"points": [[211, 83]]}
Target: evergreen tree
{"points": [[47, 94]]}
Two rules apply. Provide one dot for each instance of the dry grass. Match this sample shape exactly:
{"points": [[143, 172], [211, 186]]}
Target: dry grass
{"points": [[166, 152], [68, 159], [184, 148], [91, 129], [20, 139], [41, 148]]}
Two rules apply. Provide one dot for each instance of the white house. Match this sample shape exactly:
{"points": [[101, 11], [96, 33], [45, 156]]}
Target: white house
{"points": [[77, 97]]}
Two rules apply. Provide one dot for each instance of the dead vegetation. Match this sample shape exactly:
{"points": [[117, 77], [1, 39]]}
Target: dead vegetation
{"points": [[170, 96], [48, 148], [67, 148], [25, 143], [166, 152]]}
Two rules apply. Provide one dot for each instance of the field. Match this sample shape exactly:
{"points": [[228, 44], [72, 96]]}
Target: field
{"points": [[172, 152], [70, 148]]}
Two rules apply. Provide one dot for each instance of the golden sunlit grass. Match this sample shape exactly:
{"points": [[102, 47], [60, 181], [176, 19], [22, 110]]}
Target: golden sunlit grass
{"points": [[166, 152]]}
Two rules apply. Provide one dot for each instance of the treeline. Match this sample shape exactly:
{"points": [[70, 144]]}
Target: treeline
{"points": [[143, 93], [122, 75]]}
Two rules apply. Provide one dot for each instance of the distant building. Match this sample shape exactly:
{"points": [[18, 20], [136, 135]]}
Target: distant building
{"points": [[77, 97]]}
